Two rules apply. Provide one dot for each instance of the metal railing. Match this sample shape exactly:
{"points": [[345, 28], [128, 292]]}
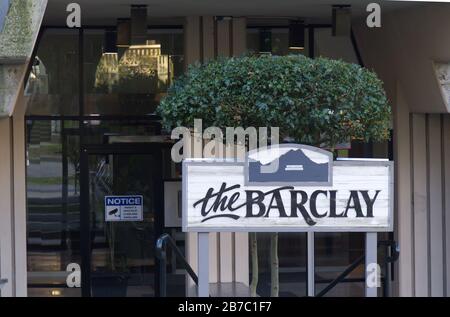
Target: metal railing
{"points": [[391, 256], [161, 254]]}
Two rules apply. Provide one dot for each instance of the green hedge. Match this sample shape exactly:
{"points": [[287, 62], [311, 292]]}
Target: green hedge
{"points": [[314, 101]]}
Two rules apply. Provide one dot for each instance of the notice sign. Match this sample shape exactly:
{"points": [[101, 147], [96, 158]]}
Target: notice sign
{"points": [[289, 187], [123, 208]]}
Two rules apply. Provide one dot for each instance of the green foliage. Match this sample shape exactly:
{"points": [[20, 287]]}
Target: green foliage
{"points": [[314, 101]]}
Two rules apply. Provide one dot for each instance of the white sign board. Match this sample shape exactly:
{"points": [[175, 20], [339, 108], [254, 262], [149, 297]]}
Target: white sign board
{"points": [[123, 208], [306, 191]]}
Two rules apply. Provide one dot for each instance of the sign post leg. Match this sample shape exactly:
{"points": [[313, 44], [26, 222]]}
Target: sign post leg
{"points": [[372, 268], [203, 264], [310, 264]]}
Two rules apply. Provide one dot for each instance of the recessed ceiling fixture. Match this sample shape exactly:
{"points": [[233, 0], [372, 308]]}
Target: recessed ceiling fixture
{"points": [[123, 32], [342, 20], [297, 35]]}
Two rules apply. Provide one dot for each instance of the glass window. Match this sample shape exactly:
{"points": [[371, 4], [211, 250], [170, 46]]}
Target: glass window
{"points": [[278, 39], [53, 205], [122, 131], [333, 253], [52, 86], [291, 261], [132, 80], [123, 252]]}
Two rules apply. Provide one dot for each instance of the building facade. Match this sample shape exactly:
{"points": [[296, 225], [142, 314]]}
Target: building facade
{"points": [[78, 124]]}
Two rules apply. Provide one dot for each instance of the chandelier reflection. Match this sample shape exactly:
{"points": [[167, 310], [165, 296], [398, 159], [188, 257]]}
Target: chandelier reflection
{"points": [[140, 69]]}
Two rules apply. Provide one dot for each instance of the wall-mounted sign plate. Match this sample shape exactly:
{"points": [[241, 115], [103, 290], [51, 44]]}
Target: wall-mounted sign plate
{"points": [[123, 208], [287, 188]]}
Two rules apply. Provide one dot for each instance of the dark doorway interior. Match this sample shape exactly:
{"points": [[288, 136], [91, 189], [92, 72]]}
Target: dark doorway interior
{"points": [[118, 256]]}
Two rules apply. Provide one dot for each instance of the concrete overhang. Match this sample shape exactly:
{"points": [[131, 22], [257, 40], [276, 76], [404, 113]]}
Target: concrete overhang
{"points": [[21, 23], [412, 49], [105, 12], [416, 25]]}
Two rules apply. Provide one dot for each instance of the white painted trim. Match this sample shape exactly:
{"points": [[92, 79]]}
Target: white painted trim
{"points": [[371, 257]]}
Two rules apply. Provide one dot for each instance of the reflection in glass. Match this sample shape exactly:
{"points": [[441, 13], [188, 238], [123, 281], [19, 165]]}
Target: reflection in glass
{"points": [[107, 73], [292, 264], [128, 83], [133, 80], [279, 41], [52, 86], [53, 205], [333, 253], [122, 253], [127, 130], [141, 69]]}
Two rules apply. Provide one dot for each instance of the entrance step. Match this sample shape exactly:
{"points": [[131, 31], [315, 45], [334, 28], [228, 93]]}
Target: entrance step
{"points": [[233, 289]]}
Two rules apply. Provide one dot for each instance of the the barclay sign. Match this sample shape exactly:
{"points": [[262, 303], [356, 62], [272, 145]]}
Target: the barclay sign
{"points": [[287, 187]]}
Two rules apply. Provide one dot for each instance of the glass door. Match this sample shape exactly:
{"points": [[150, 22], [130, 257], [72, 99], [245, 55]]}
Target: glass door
{"points": [[122, 209]]}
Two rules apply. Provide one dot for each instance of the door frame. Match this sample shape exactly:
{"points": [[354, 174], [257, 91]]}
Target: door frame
{"points": [[85, 232]]}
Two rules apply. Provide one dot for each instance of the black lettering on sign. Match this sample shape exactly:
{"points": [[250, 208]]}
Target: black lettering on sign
{"points": [[223, 203]]}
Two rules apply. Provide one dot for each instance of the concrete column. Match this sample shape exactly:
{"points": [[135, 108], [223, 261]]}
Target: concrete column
{"points": [[13, 256], [19, 197], [6, 208]]}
